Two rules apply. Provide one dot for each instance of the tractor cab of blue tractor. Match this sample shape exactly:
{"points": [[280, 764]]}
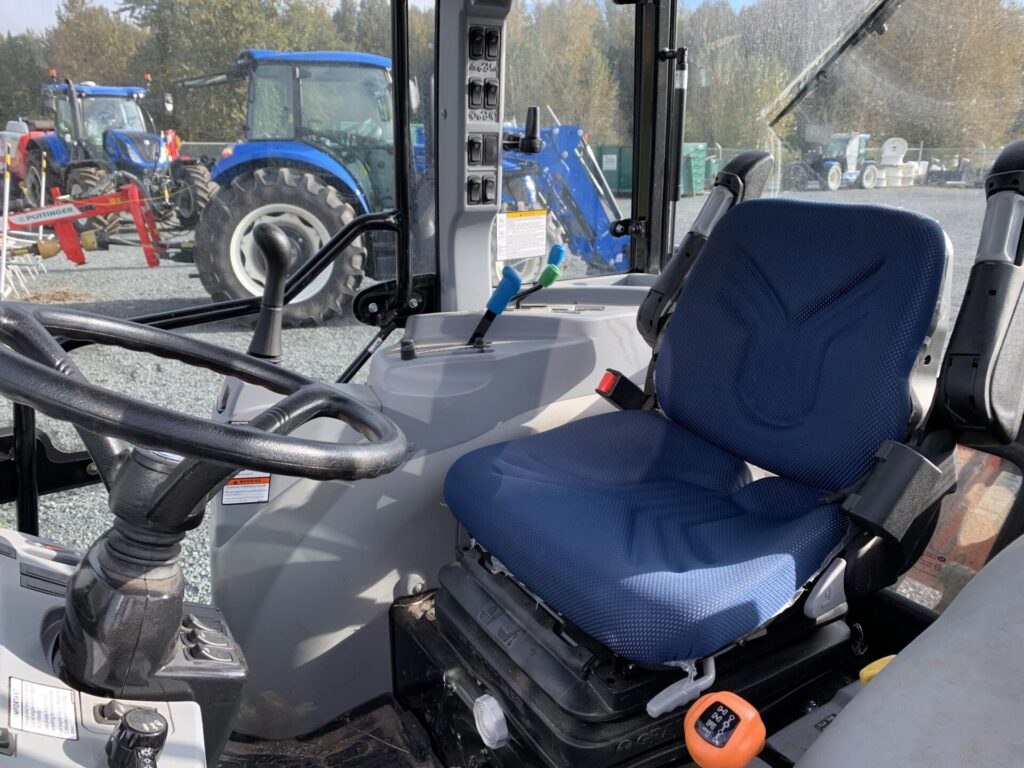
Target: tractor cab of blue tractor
{"points": [[103, 135], [641, 518]]}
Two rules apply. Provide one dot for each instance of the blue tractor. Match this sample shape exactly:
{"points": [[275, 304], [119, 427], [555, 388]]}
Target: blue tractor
{"points": [[103, 135], [319, 150]]}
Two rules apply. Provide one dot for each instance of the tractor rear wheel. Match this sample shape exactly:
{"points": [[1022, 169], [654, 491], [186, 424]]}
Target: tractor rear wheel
{"points": [[868, 177], [33, 181], [230, 264], [193, 191], [88, 181], [834, 178]]}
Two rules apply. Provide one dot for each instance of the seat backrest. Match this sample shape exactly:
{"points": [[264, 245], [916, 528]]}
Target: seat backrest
{"points": [[796, 333]]}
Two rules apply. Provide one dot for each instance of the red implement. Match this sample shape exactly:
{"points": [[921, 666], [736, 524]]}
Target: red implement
{"points": [[62, 214]]}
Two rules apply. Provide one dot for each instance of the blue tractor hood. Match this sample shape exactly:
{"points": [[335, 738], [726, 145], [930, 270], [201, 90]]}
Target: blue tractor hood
{"points": [[134, 149]]}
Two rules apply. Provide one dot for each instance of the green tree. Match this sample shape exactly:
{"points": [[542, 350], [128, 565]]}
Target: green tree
{"points": [[91, 43], [193, 37], [555, 61], [22, 73]]}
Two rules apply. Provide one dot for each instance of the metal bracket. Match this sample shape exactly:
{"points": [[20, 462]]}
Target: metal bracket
{"points": [[635, 228]]}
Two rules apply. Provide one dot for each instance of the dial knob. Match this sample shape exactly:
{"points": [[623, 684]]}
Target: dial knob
{"points": [[137, 739]]}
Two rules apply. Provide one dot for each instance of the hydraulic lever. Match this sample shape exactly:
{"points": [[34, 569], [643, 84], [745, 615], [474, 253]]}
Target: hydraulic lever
{"points": [[279, 253], [548, 276], [508, 287], [528, 141]]}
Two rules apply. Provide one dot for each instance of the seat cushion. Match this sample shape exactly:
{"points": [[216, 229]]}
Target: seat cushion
{"points": [[796, 331], [650, 539]]}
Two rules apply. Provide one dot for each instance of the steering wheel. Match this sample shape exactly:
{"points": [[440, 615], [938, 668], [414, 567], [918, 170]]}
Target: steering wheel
{"points": [[36, 371]]}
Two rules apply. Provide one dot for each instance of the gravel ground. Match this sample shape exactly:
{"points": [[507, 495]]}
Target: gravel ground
{"points": [[119, 283]]}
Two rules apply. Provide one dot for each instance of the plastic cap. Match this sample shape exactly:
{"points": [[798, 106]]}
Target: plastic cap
{"points": [[549, 275], [723, 730], [490, 721], [556, 255], [509, 286]]}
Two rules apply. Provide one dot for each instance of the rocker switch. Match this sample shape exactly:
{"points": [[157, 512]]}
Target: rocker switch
{"points": [[207, 653], [490, 149], [476, 42], [490, 190], [491, 94], [474, 189], [476, 149], [476, 93], [493, 42]]}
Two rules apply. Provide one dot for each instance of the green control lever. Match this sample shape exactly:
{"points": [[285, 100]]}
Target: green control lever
{"points": [[549, 275]]}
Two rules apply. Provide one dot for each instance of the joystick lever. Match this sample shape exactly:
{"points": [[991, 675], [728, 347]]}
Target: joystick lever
{"points": [[508, 287], [279, 253], [529, 141]]}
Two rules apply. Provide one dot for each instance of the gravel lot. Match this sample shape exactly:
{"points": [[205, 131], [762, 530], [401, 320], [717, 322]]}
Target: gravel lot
{"points": [[119, 283]]}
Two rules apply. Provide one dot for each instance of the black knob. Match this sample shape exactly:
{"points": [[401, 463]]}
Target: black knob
{"points": [[531, 142], [279, 253], [137, 739]]}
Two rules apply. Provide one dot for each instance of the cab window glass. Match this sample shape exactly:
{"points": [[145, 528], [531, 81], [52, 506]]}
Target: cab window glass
{"points": [[306, 143], [582, 84]]}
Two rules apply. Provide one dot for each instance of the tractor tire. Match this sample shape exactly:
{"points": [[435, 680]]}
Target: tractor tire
{"points": [[868, 177], [834, 178], [195, 191], [86, 182], [32, 182], [796, 178], [231, 266]]}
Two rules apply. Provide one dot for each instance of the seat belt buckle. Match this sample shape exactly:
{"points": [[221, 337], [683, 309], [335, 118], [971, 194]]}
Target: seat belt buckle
{"points": [[620, 391]]}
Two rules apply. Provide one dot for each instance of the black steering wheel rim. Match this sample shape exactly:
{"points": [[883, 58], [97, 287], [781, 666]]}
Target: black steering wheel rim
{"points": [[36, 371]]}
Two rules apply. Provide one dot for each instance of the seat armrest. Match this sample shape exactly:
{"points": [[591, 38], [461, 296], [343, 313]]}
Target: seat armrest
{"points": [[903, 485]]}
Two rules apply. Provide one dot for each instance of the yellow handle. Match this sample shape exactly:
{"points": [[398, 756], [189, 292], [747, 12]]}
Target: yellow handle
{"points": [[867, 674]]}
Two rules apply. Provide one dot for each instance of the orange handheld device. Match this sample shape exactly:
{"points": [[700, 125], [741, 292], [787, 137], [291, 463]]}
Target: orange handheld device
{"points": [[723, 730]]}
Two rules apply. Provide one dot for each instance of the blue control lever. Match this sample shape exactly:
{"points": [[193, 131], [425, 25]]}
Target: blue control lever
{"points": [[509, 285]]}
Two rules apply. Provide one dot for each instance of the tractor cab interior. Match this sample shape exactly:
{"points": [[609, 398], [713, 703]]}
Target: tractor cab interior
{"points": [[647, 506]]}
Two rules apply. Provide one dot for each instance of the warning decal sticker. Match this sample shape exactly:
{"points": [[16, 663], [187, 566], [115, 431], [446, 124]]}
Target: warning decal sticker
{"points": [[43, 709], [247, 487], [521, 235]]}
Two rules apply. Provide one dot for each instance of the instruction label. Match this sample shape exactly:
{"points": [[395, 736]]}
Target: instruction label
{"points": [[521, 235], [43, 709], [247, 487]]}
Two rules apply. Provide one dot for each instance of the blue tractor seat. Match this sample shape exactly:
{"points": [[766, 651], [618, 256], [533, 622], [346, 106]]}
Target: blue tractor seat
{"points": [[791, 348]]}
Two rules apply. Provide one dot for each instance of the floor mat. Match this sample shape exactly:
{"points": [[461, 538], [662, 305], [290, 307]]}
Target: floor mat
{"points": [[380, 737]]}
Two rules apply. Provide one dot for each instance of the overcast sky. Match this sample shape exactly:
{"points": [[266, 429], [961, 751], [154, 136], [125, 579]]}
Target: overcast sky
{"points": [[18, 15]]}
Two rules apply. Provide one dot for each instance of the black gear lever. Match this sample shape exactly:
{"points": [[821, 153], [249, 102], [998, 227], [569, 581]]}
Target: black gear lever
{"points": [[279, 253], [529, 141]]}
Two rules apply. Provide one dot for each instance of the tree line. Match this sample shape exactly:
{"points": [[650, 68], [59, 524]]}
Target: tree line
{"points": [[946, 72]]}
